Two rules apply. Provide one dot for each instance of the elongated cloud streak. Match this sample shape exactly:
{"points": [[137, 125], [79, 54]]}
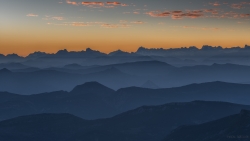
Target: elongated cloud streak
{"points": [[32, 15]]}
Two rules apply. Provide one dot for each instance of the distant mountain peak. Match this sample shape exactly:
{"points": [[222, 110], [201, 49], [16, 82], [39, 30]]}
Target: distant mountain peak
{"points": [[65, 51], [247, 46], [89, 50], [36, 54], [4, 70], [92, 87], [207, 47], [120, 53]]}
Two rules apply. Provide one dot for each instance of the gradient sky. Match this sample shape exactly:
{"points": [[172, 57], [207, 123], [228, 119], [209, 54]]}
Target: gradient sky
{"points": [[49, 25]]}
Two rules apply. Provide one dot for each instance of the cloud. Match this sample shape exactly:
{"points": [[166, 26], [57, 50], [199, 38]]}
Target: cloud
{"points": [[237, 6], [83, 23], [114, 3], [159, 14], [32, 15], [115, 25], [193, 14], [187, 14], [244, 15], [212, 11], [124, 4], [76, 24], [199, 28], [138, 22], [213, 29], [93, 3], [57, 24], [97, 4], [215, 3], [57, 18], [177, 14], [53, 18], [71, 2], [79, 24]]}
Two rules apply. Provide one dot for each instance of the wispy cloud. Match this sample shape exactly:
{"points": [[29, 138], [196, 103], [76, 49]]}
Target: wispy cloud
{"points": [[159, 14], [137, 22], [193, 14], [240, 5], [236, 6], [32, 15], [199, 28], [187, 14], [97, 4], [244, 15], [59, 18], [177, 14], [212, 11], [80, 24], [215, 3], [71, 2], [93, 3], [93, 24], [115, 25]]}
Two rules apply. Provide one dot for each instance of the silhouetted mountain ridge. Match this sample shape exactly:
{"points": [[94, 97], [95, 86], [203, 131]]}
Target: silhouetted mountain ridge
{"points": [[235, 127], [92, 87], [4, 71], [99, 101], [147, 123]]}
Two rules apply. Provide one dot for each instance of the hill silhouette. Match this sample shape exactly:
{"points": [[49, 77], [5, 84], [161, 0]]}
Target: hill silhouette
{"points": [[145, 123], [4, 71], [93, 100], [93, 88], [235, 127]]}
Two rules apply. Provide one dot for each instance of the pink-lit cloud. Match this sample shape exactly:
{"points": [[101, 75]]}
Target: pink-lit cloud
{"points": [[215, 3], [159, 14], [237, 6], [193, 14], [178, 14], [71, 2], [137, 22]]}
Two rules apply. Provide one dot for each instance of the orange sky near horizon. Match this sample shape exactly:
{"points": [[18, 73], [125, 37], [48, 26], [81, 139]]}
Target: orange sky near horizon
{"points": [[50, 26]]}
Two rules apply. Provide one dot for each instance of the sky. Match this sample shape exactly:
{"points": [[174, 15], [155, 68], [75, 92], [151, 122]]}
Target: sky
{"points": [[27, 26]]}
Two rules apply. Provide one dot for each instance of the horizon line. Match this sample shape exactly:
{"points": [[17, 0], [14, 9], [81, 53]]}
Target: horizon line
{"points": [[165, 49]]}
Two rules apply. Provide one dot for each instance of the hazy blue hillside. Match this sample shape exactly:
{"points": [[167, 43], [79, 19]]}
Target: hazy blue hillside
{"points": [[148, 123], [232, 128], [32, 80], [93, 100]]}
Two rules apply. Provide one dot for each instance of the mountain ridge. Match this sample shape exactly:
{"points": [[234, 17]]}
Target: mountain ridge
{"points": [[65, 51], [148, 123], [234, 127]]}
